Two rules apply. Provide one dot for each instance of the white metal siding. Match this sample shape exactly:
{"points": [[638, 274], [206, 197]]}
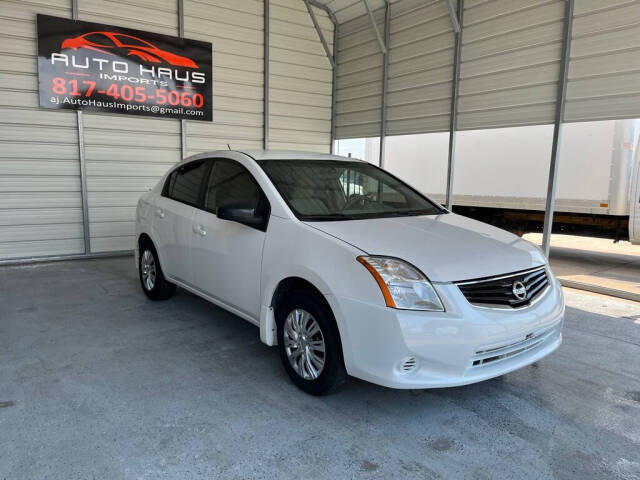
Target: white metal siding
{"points": [[510, 64], [40, 200], [300, 78], [420, 67], [604, 72], [125, 154], [235, 29], [359, 79]]}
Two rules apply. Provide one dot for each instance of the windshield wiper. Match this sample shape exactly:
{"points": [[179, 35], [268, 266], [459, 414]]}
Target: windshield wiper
{"points": [[328, 217], [406, 213]]}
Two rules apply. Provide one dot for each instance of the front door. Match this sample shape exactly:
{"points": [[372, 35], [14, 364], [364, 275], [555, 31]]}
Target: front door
{"points": [[227, 256], [173, 220]]}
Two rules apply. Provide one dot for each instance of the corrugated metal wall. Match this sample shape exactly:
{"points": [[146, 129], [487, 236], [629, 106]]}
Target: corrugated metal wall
{"points": [[421, 48], [510, 62], [125, 155], [604, 73], [510, 65], [300, 78], [235, 29], [359, 80], [40, 191], [40, 201]]}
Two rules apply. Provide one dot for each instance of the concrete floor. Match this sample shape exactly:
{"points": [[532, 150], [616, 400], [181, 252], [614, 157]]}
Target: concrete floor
{"points": [[98, 382]]}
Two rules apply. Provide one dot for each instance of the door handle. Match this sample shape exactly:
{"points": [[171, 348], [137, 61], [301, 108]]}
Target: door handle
{"points": [[160, 213], [200, 230]]}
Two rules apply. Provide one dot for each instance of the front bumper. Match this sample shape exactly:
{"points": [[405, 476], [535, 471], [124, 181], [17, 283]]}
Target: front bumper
{"points": [[465, 344]]}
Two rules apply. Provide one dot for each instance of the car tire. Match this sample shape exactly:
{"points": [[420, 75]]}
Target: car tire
{"points": [[152, 280], [300, 360]]}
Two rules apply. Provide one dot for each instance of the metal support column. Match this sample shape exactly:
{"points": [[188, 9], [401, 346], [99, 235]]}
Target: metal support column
{"points": [[265, 122], [83, 163], [183, 126], [557, 128], [334, 78], [453, 123], [385, 82]]}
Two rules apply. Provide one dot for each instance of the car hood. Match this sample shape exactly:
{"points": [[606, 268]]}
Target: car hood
{"points": [[445, 247]]}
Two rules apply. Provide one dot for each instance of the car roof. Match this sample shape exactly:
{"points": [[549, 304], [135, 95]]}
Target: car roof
{"points": [[293, 155], [259, 155]]}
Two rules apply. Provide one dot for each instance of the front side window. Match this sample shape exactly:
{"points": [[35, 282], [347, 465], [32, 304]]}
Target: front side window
{"points": [[231, 185], [184, 183], [341, 190]]}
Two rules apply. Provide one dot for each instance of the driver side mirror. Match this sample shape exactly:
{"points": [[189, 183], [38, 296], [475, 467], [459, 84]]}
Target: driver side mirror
{"points": [[248, 216]]}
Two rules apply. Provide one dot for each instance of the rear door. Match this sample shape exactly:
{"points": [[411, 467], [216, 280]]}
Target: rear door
{"points": [[227, 256], [173, 219]]}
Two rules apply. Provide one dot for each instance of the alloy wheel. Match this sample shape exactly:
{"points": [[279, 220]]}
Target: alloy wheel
{"points": [[304, 344], [148, 268]]}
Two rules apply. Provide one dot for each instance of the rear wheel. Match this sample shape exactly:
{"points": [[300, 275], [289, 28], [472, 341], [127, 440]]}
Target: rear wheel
{"points": [[154, 285], [309, 344]]}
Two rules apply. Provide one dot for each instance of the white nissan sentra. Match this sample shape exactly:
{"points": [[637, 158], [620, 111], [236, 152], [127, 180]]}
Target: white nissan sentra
{"points": [[348, 270]]}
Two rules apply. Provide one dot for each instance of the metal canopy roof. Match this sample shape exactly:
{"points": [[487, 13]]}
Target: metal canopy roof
{"points": [[345, 10]]}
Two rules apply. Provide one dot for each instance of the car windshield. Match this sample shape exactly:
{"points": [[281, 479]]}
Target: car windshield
{"points": [[327, 190]]}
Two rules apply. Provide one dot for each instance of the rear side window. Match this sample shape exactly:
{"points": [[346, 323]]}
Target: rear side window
{"points": [[183, 185]]}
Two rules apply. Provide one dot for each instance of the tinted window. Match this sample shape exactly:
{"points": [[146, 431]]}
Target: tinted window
{"points": [[338, 190], [231, 184], [184, 184]]}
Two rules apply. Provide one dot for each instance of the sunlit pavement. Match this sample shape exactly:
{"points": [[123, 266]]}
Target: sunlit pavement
{"points": [[595, 264]]}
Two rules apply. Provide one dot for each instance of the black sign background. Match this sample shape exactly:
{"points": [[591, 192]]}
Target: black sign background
{"points": [[120, 70]]}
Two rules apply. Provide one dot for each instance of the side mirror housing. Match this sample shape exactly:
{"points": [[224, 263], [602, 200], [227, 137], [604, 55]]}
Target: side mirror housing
{"points": [[248, 216]]}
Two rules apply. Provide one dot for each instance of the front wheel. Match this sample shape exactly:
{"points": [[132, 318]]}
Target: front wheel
{"points": [[154, 285], [309, 344]]}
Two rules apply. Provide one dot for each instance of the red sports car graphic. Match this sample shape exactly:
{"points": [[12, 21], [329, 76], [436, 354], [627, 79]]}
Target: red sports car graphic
{"points": [[127, 45]]}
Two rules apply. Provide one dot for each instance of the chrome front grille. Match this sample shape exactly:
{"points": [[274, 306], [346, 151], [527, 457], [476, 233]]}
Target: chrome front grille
{"points": [[506, 291]]}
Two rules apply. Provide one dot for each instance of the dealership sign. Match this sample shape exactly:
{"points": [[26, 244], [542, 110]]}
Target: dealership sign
{"points": [[90, 66]]}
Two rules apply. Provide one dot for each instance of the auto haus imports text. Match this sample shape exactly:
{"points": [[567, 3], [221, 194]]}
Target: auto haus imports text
{"points": [[119, 70]]}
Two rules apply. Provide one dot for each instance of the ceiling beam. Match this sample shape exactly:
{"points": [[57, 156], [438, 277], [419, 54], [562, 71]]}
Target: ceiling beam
{"points": [[383, 47]]}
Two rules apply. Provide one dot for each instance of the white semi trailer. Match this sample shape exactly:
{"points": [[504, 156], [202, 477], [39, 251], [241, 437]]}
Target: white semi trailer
{"points": [[501, 175]]}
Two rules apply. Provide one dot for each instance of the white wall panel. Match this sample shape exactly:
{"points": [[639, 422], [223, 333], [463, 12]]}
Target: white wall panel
{"points": [[359, 77], [300, 77], [510, 62], [126, 154], [604, 72], [40, 201], [235, 30], [420, 67], [40, 198], [420, 71]]}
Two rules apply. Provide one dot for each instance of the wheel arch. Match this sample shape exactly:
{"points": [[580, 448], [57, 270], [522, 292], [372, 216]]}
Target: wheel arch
{"points": [[278, 294], [145, 239]]}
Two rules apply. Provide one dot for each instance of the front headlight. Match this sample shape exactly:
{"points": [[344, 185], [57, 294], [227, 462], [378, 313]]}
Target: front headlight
{"points": [[403, 286]]}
